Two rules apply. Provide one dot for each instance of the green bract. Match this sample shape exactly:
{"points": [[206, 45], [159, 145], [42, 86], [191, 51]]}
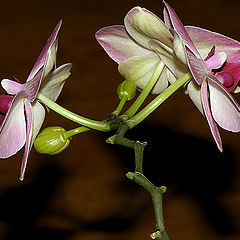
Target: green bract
{"points": [[52, 140]]}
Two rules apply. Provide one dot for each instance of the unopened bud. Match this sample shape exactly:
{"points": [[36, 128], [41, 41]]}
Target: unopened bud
{"points": [[126, 89], [52, 140]]}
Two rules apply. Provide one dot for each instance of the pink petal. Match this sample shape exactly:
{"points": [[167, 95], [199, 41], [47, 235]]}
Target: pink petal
{"points": [[224, 112], [216, 61], [28, 112], [166, 18], [118, 44], [204, 40], [207, 111], [42, 57], [196, 66], [143, 26], [5, 102], [12, 87], [13, 128], [180, 29], [32, 86]]}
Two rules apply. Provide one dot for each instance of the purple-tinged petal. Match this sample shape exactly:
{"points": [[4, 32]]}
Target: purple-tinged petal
{"points": [[5, 102], [196, 66], [223, 110], [52, 85], [216, 61], [12, 87], [28, 112], [42, 57], [13, 128], [32, 86], [207, 111], [143, 26], [118, 44], [204, 40], [166, 18], [180, 29]]}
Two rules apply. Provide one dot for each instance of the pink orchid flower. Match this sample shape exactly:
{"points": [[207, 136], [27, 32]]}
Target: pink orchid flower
{"points": [[214, 62], [25, 115], [130, 46]]}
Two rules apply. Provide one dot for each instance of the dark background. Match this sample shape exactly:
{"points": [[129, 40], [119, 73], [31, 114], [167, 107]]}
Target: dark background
{"points": [[83, 193]]}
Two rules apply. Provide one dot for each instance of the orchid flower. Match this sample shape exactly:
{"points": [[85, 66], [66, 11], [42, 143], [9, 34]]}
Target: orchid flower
{"points": [[214, 62], [130, 46], [25, 114]]}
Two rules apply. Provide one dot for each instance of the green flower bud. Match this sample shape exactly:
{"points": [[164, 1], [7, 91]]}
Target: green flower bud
{"points": [[51, 140], [126, 89]]}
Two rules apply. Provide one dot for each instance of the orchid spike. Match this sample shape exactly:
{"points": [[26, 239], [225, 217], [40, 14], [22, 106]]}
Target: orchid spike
{"points": [[25, 114], [130, 46], [214, 62]]}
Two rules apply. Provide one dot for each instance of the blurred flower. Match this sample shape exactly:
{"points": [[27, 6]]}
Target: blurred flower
{"points": [[214, 61], [130, 46], [25, 114]]}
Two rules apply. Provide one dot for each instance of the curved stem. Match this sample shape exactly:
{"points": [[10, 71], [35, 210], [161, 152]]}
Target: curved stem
{"points": [[139, 117], [119, 108], [143, 95], [75, 131], [96, 125]]}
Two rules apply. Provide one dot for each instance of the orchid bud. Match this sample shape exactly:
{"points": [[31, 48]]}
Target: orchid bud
{"points": [[126, 89], [5, 101], [51, 141]]}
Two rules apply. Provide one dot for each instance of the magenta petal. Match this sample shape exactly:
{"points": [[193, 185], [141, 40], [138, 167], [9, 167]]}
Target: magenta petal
{"points": [[5, 101], [180, 29], [42, 57], [196, 66], [28, 111], [207, 111], [32, 86], [13, 128]]}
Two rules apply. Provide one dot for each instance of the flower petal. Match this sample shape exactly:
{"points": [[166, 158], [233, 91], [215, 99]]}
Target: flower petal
{"points": [[204, 40], [139, 69], [42, 57], [118, 44], [28, 112], [207, 111], [180, 29], [13, 128], [52, 85], [223, 110], [143, 26], [12, 87]]}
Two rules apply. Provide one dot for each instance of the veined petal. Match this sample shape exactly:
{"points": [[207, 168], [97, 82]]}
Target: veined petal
{"points": [[207, 111], [13, 128], [204, 40], [196, 66], [118, 44], [139, 68], [42, 57], [177, 67], [12, 87], [28, 112], [52, 85], [180, 29], [223, 110], [32, 86], [143, 26]]}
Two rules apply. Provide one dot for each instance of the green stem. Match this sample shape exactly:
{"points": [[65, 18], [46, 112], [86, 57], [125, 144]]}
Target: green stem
{"points": [[119, 108], [75, 131], [96, 125], [145, 112], [139, 101]]}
